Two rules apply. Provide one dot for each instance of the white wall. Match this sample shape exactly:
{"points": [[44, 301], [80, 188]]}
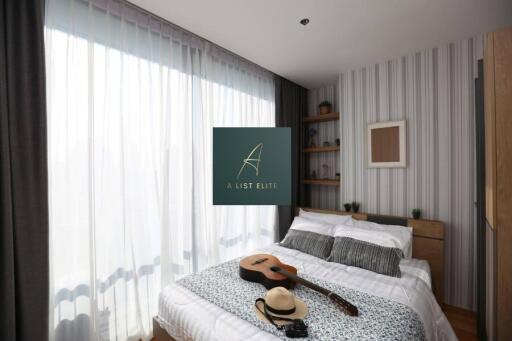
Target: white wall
{"points": [[433, 90]]}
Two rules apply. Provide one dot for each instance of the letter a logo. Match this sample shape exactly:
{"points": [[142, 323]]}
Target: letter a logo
{"points": [[251, 160]]}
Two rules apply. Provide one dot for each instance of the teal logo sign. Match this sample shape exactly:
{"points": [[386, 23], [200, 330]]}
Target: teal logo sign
{"points": [[251, 166]]}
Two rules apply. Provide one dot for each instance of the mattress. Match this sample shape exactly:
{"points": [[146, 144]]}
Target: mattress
{"points": [[185, 315]]}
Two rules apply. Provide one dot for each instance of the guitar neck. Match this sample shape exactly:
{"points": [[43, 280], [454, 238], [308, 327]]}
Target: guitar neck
{"points": [[304, 282], [347, 307]]}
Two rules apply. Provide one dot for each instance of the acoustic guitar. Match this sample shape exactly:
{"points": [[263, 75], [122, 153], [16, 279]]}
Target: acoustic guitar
{"points": [[269, 271]]}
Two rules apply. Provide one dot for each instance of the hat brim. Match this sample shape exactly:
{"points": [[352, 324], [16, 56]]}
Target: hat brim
{"points": [[301, 310]]}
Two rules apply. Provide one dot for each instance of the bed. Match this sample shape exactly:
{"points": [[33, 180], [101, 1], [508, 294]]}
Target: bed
{"points": [[185, 315]]}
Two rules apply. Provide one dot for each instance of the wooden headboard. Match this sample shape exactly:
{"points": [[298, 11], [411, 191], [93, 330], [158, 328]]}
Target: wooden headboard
{"points": [[428, 241]]}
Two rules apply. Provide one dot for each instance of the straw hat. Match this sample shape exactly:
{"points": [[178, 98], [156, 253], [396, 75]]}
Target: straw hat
{"points": [[281, 303]]}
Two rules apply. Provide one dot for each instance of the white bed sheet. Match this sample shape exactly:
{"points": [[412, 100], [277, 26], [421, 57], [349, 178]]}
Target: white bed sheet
{"points": [[186, 315]]}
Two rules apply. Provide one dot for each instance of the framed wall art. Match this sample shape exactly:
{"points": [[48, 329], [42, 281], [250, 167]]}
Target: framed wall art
{"points": [[387, 144]]}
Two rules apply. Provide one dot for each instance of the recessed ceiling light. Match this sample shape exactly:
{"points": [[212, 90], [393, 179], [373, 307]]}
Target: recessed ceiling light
{"points": [[304, 21]]}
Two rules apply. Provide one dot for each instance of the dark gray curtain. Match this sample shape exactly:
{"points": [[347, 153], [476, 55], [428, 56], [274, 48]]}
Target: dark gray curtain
{"points": [[480, 202], [23, 173], [291, 107]]}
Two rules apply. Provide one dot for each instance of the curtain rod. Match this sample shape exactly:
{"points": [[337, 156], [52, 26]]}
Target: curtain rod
{"points": [[156, 16]]}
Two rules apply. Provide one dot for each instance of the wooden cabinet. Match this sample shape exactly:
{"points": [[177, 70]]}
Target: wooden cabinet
{"points": [[498, 168], [490, 132]]}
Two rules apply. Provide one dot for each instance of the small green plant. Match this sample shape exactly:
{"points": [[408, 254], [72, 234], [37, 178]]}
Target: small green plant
{"points": [[355, 206], [416, 213], [348, 207], [325, 104]]}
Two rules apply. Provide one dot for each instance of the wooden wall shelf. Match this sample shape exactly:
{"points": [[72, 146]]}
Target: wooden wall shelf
{"points": [[321, 149], [333, 116], [327, 182]]}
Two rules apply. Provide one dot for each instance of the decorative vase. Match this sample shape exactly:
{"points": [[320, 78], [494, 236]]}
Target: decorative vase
{"points": [[325, 171], [325, 109], [312, 132]]}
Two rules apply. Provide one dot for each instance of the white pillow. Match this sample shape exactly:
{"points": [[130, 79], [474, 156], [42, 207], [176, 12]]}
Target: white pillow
{"points": [[334, 219], [384, 235], [303, 224]]}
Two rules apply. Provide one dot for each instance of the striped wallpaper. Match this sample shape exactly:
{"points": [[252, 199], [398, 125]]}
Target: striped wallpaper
{"points": [[433, 90]]}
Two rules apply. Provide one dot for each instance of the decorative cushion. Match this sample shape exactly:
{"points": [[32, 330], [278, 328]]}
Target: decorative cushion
{"points": [[312, 243], [373, 257], [383, 235]]}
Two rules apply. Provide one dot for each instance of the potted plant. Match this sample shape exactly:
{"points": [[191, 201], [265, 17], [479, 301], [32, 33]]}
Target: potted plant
{"points": [[348, 207], [325, 107], [355, 206], [337, 176], [416, 213], [337, 142]]}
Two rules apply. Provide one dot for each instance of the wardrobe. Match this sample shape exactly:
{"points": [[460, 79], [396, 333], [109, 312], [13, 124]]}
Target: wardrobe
{"points": [[498, 183]]}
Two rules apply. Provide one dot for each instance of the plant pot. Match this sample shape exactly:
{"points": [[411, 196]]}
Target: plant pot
{"points": [[348, 207], [355, 207], [416, 214], [325, 109]]}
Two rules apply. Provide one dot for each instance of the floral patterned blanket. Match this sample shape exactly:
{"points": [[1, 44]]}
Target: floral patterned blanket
{"points": [[379, 318]]}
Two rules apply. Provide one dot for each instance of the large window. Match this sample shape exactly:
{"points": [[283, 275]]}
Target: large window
{"points": [[131, 106]]}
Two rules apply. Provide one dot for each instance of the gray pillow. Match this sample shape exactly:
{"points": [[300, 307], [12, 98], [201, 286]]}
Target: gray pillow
{"points": [[315, 244], [373, 257]]}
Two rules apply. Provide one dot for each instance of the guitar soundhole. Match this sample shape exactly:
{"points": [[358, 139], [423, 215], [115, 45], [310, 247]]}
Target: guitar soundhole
{"points": [[275, 268]]}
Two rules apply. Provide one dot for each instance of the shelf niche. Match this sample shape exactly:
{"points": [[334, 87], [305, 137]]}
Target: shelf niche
{"points": [[333, 116], [322, 149], [325, 182]]}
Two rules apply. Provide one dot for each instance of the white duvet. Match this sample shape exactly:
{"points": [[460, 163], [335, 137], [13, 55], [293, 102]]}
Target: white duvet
{"points": [[186, 316]]}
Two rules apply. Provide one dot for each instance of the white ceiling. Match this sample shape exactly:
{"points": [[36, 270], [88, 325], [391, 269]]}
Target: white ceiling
{"points": [[342, 34]]}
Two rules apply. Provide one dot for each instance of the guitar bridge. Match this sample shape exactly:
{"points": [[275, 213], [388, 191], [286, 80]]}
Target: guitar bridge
{"points": [[259, 261]]}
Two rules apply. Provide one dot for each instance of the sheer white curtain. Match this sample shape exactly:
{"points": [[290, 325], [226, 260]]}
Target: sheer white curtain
{"points": [[131, 106]]}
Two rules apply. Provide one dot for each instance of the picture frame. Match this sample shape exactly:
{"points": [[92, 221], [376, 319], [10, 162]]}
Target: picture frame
{"points": [[387, 144]]}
